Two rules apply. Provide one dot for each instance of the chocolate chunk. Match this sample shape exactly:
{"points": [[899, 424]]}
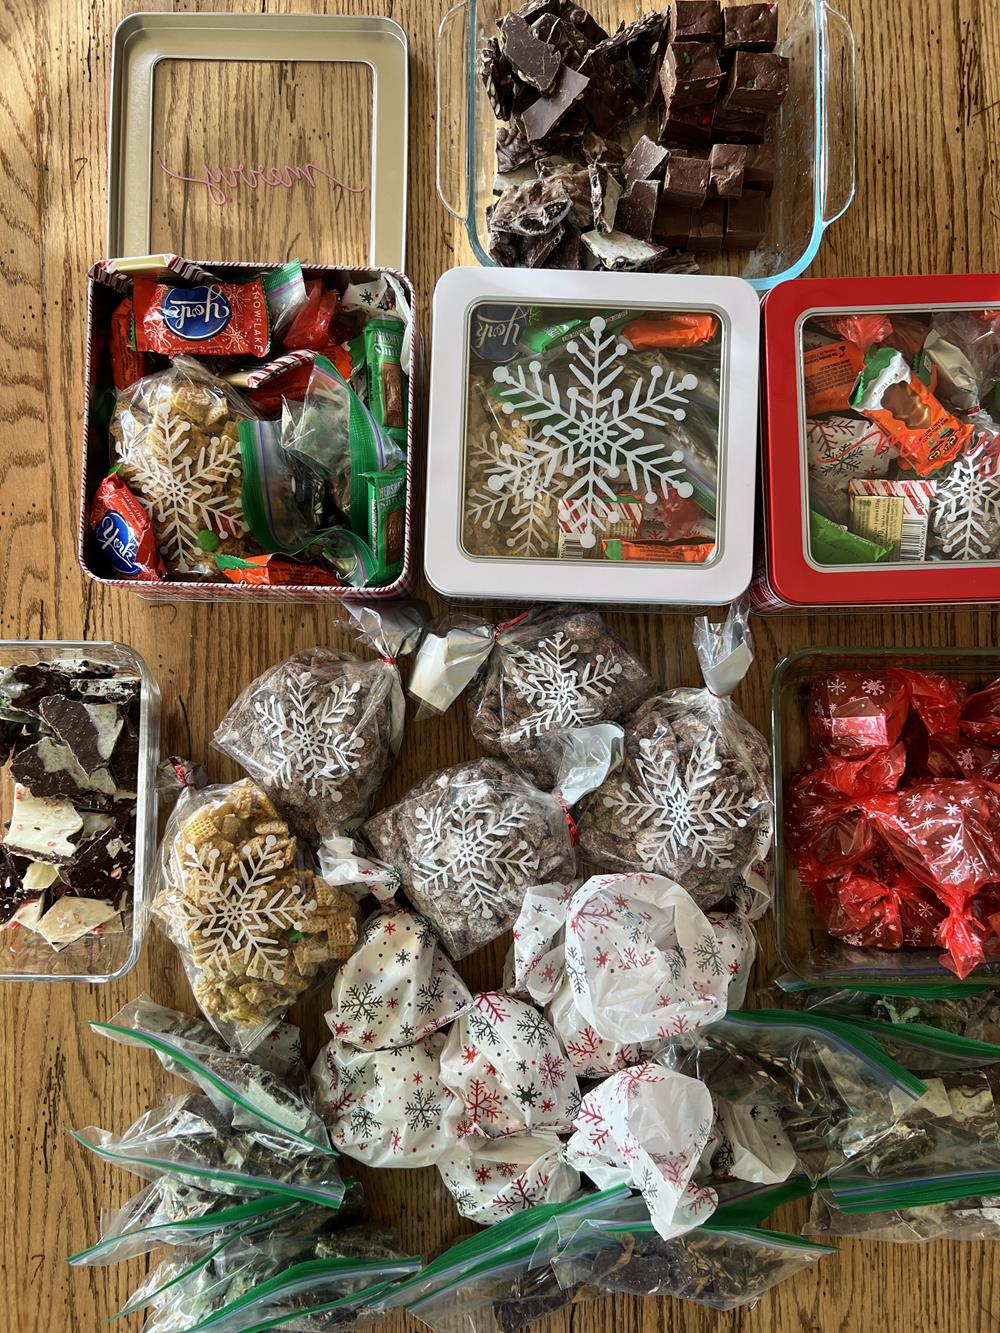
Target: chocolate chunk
{"points": [[759, 171], [708, 226], [646, 160], [23, 687], [89, 730], [497, 75], [505, 180], [619, 252], [536, 250], [124, 764], [605, 193], [566, 254], [757, 82], [513, 149], [12, 892], [567, 10], [750, 27], [691, 126], [727, 166], [535, 62], [672, 226], [690, 74], [575, 180], [49, 768], [43, 828], [545, 113], [685, 182], [103, 866], [637, 209], [695, 21], [746, 221], [745, 127], [567, 39], [533, 209]]}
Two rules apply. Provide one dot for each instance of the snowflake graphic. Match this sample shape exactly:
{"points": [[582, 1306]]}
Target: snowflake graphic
{"points": [[838, 450], [185, 492], [364, 1125], [361, 1002], [421, 1109], [527, 1094], [580, 441], [966, 507], [708, 956], [873, 686], [533, 1028], [677, 813], [561, 691], [470, 849], [239, 914], [482, 1103], [430, 994], [306, 732]]}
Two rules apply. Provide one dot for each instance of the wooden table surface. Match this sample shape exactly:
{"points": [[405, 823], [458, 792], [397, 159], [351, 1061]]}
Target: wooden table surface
{"points": [[928, 183]]}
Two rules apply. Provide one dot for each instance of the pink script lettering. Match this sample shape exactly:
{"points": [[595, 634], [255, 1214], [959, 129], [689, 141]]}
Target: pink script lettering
{"points": [[221, 182]]}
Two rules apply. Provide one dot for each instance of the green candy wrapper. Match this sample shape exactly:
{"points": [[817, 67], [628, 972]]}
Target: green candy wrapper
{"points": [[833, 545], [387, 386]]}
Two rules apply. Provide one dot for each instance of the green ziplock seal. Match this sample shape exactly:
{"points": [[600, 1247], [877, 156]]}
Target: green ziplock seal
{"points": [[755, 1205], [326, 1198], [163, 1045], [834, 1027], [955, 990], [365, 1297], [928, 1038], [489, 1264], [871, 1197], [260, 1208], [783, 1238]]}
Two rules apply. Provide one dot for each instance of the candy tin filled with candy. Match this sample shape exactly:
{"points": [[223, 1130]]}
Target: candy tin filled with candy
{"points": [[592, 438], [885, 770], [79, 744], [882, 442]]}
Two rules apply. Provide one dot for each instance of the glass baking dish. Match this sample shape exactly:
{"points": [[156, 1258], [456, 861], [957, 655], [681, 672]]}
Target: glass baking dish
{"points": [[813, 134], [25, 956], [803, 945]]}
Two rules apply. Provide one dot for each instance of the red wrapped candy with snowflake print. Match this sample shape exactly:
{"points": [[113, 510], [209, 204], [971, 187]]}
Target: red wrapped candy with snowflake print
{"points": [[880, 906], [855, 712], [980, 720]]}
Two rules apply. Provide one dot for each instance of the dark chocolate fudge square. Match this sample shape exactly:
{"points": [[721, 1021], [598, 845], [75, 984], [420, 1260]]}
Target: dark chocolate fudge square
{"points": [[690, 127], [750, 27], [696, 21], [685, 182], [708, 226], [690, 74], [758, 82], [727, 167], [746, 219]]}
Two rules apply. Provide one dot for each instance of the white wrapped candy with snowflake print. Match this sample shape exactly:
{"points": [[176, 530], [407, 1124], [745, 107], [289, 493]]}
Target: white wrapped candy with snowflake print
{"points": [[647, 1127], [490, 1179], [397, 988], [508, 1069], [388, 1108], [319, 732]]}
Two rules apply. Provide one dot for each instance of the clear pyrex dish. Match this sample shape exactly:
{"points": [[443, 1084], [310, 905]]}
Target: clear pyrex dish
{"points": [[813, 133], [803, 945], [25, 956], [592, 437]]}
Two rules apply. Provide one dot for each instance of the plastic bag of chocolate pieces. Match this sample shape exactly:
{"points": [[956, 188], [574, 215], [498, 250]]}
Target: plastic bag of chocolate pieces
{"points": [[255, 926], [69, 734], [603, 138], [321, 730], [971, 1217], [692, 799]]}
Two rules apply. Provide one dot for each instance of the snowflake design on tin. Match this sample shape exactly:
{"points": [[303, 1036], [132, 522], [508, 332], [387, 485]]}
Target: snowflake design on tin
{"points": [[470, 849], [966, 510], [561, 692], [421, 1110], [307, 732], [238, 913], [530, 517], [185, 492], [675, 814], [585, 435]]}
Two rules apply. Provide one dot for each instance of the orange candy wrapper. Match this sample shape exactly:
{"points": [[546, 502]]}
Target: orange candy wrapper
{"points": [[619, 548], [890, 394], [275, 571], [829, 374], [670, 331], [127, 365]]}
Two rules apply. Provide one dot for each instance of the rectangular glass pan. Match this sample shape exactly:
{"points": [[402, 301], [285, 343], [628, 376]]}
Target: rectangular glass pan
{"points": [[25, 956], [813, 133], [801, 939]]}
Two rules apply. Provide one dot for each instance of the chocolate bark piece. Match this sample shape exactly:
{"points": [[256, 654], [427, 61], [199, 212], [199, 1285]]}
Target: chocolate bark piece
{"points": [[544, 114], [533, 209], [43, 828], [10, 735], [746, 221], [695, 21], [103, 866], [727, 166], [685, 181], [759, 171], [600, 150], [605, 193], [708, 227], [505, 180], [565, 36], [758, 81], [690, 74], [646, 160], [513, 149], [49, 768], [497, 75], [12, 892], [672, 225], [619, 252], [535, 62], [575, 180], [564, 9], [745, 127], [566, 254], [90, 730], [691, 126], [637, 209], [750, 27]]}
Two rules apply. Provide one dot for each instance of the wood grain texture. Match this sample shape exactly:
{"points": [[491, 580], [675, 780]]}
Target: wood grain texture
{"points": [[929, 149]]}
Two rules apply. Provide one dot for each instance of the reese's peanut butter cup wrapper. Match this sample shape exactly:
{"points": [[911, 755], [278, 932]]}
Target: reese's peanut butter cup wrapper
{"points": [[889, 393], [829, 374]]}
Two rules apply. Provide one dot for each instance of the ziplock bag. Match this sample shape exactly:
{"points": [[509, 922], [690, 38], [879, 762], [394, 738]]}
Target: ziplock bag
{"points": [[189, 1139], [924, 1049], [254, 925], [321, 730], [692, 800], [253, 1096], [834, 1091], [967, 1218], [966, 1011]]}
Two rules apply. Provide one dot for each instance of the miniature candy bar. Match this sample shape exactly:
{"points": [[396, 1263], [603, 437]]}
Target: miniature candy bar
{"points": [[220, 319], [637, 209], [746, 221], [750, 27], [891, 394], [757, 82], [122, 530], [695, 21], [685, 181], [830, 373], [689, 75], [727, 167]]}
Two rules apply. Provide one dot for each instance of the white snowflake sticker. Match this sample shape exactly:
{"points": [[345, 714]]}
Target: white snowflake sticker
{"points": [[582, 439], [468, 849], [965, 516], [561, 690], [308, 733]]}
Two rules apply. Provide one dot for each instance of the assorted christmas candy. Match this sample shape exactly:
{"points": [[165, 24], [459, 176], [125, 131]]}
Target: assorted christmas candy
{"points": [[261, 417], [69, 738], [893, 819], [635, 149]]}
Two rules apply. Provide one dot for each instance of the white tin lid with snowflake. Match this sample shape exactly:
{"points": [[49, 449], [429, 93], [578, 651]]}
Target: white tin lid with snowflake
{"points": [[592, 436]]}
